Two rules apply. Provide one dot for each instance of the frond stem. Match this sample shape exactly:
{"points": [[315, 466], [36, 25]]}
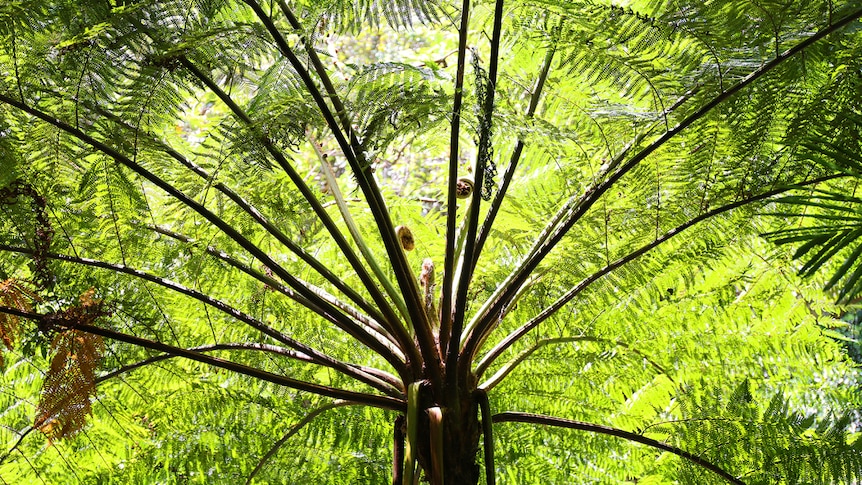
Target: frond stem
{"points": [[321, 358], [353, 229], [253, 212], [365, 180], [510, 366], [273, 349], [449, 264], [593, 194], [320, 306], [383, 402], [518, 417], [387, 382], [15, 446], [293, 430], [272, 283], [453, 369], [296, 178], [497, 201], [586, 282]]}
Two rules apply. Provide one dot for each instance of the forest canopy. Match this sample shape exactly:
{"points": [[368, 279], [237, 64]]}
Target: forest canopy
{"points": [[404, 241]]}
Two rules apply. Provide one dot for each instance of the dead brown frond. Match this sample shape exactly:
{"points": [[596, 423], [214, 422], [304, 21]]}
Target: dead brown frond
{"points": [[71, 380], [15, 295]]}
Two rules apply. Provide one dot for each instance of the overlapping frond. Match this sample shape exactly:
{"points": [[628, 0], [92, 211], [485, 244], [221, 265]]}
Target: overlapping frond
{"points": [[791, 447], [354, 16]]}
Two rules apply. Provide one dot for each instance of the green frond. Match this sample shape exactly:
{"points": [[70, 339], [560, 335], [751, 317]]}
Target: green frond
{"points": [[389, 100], [791, 447], [352, 17]]}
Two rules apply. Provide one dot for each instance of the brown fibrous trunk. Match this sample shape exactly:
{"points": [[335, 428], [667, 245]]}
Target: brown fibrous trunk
{"points": [[461, 433]]}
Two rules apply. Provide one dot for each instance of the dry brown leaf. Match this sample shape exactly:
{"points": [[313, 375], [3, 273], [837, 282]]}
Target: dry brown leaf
{"points": [[71, 380], [65, 400], [13, 294]]}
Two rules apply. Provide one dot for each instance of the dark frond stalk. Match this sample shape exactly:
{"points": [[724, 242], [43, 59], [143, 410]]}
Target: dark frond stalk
{"points": [[487, 436], [475, 338], [293, 430], [391, 389], [507, 368], [497, 201], [296, 178], [593, 194], [365, 180], [320, 306], [372, 310], [383, 402], [254, 213], [355, 156], [449, 264], [272, 283], [15, 64], [513, 337], [320, 70], [518, 417], [453, 369], [273, 349], [319, 357], [386, 383], [360, 321], [15, 446], [566, 210]]}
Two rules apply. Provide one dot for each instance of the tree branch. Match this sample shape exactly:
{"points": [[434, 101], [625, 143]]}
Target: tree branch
{"points": [[449, 264], [362, 171], [320, 307], [391, 389], [373, 327], [391, 319], [454, 368], [249, 209], [207, 348], [14, 447], [517, 417], [494, 207]]}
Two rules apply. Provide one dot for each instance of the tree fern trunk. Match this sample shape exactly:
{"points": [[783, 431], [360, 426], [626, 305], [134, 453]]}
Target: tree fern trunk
{"points": [[460, 441]]}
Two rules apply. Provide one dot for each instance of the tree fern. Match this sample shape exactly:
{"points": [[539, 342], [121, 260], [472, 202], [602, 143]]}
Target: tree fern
{"points": [[233, 178]]}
